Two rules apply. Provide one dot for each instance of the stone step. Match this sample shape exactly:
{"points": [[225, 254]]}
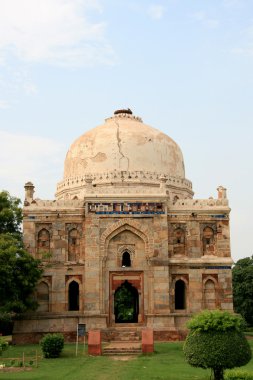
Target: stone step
{"points": [[126, 353], [123, 348], [128, 339], [134, 351], [122, 334]]}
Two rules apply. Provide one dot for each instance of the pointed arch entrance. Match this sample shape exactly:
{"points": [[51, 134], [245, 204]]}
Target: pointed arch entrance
{"points": [[126, 303], [126, 297], [125, 249]]}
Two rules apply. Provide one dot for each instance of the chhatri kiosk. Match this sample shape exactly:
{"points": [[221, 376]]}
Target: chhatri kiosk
{"points": [[124, 244]]}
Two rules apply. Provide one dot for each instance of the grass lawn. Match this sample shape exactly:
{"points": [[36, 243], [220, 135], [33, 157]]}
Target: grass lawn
{"points": [[166, 364]]}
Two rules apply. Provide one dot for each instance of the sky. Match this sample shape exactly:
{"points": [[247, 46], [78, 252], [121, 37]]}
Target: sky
{"points": [[184, 66]]}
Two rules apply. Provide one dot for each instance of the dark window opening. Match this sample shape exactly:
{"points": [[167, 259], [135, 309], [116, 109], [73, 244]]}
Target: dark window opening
{"points": [[73, 296], [180, 296], [126, 260]]}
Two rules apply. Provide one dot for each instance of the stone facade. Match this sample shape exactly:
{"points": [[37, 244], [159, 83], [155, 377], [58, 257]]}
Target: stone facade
{"points": [[135, 229]]}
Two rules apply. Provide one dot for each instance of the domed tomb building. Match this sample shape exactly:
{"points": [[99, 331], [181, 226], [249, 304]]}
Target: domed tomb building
{"points": [[124, 244]]}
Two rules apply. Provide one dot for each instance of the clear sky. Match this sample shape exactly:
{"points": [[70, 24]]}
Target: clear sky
{"points": [[184, 66]]}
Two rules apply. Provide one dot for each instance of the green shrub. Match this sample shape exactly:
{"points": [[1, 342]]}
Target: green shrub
{"points": [[227, 349], [3, 345], [238, 375], [216, 341], [216, 320], [52, 345]]}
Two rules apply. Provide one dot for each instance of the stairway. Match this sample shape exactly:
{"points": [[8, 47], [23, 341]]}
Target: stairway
{"points": [[122, 334], [122, 348], [123, 341]]}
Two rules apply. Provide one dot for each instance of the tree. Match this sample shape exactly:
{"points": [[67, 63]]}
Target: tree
{"points": [[216, 341], [10, 214], [19, 271], [243, 288]]}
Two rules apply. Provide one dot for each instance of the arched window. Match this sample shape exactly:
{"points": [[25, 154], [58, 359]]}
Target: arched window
{"points": [[208, 240], [73, 245], [73, 296], [43, 296], [209, 295], [179, 242], [43, 241], [180, 295], [126, 259]]}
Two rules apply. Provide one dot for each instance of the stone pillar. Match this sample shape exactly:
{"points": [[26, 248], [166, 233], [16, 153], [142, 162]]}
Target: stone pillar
{"points": [[94, 343], [92, 266], [147, 338], [88, 181], [222, 192], [29, 191], [163, 181]]}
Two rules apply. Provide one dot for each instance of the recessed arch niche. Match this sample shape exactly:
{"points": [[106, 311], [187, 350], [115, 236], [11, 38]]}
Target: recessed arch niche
{"points": [[126, 249]]}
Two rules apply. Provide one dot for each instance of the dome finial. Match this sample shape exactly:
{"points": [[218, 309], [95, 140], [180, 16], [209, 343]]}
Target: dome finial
{"points": [[123, 111]]}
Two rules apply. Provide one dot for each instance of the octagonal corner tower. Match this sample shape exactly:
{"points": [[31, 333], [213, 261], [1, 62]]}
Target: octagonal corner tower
{"points": [[122, 152]]}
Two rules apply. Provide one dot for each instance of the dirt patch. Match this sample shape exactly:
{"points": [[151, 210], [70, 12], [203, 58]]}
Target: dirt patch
{"points": [[123, 358], [15, 369]]}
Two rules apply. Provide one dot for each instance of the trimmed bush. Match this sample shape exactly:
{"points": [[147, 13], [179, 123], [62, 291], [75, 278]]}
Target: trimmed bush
{"points": [[216, 341], [216, 320], [238, 375], [227, 349], [52, 345]]}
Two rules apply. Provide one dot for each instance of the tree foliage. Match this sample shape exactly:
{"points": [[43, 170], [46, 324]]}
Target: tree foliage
{"points": [[243, 288], [216, 341], [19, 271], [10, 213]]}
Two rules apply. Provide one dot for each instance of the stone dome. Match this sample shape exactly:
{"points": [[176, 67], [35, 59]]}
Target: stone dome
{"points": [[123, 144]]}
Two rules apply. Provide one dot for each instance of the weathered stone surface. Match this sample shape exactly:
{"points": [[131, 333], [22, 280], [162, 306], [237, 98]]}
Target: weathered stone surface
{"points": [[125, 214]]}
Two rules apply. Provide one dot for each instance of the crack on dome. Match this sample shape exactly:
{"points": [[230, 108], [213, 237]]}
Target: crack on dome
{"points": [[120, 148]]}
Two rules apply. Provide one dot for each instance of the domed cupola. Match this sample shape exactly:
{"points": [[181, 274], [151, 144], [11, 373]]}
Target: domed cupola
{"points": [[123, 153]]}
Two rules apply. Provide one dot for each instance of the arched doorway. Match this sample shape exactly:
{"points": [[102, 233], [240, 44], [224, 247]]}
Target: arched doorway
{"points": [[73, 296], [126, 304]]}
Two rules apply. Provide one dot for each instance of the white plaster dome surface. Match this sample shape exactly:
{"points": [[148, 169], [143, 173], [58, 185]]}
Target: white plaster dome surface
{"points": [[124, 143]]}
